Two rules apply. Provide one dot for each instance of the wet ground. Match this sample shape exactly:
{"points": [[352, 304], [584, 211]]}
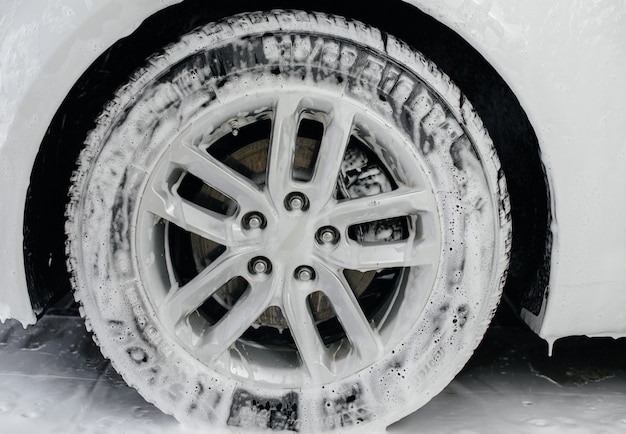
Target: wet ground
{"points": [[54, 380]]}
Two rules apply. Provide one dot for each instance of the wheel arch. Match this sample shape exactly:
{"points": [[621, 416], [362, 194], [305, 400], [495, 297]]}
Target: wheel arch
{"points": [[493, 99]]}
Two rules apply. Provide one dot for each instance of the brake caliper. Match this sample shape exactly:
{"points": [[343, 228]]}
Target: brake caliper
{"points": [[360, 177]]}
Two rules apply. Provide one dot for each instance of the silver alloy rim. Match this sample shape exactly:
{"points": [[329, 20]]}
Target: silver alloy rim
{"points": [[294, 263]]}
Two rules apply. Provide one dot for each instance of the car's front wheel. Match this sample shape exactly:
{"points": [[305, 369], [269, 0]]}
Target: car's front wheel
{"points": [[288, 220]]}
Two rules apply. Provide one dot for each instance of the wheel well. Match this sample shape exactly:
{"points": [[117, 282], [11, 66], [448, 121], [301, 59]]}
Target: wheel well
{"points": [[506, 121]]}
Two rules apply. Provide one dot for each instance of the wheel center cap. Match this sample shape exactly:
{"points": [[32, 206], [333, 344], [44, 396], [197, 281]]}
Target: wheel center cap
{"points": [[295, 238]]}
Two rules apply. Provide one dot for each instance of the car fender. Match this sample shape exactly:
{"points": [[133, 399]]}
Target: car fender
{"points": [[45, 47]]}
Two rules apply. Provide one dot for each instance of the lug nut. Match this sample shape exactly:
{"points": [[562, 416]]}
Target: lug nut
{"points": [[327, 235], [304, 273], [296, 202], [254, 220], [260, 265]]}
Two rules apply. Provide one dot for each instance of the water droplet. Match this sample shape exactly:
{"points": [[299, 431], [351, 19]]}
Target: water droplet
{"points": [[234, 126]]}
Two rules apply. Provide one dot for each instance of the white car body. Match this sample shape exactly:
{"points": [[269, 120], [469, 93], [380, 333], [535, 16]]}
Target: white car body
{"points": [[563, 59]]}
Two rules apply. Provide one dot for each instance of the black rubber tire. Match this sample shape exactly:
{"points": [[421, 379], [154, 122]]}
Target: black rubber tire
{"points": [[397, 85]]}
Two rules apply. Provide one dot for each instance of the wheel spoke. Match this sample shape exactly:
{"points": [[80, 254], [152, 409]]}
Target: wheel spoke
{"points": [[219, 337], [364, 340], [331, 154], [314, 354], [181, 302], [406, 253], [217, 175], [397, 203], [162, 202], [282, 148]]}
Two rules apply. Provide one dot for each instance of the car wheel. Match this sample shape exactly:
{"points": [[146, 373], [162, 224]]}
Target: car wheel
{"points": [[288, 220]]}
